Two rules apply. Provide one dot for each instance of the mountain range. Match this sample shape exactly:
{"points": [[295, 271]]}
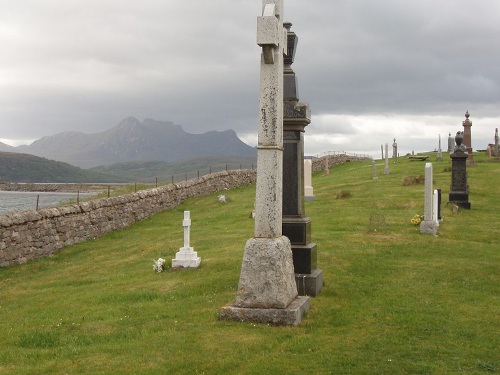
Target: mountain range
{"points": [[132, 140]]}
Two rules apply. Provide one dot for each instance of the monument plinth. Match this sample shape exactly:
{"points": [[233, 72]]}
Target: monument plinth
{"points": [[267, 291]]}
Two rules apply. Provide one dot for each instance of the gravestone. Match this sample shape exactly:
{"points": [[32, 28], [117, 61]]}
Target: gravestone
{"points": [[386, 168], [186, 257], [440, 152], [459, 190], [395, 151], [374, 171], [382, 150], [428, 225], [267, 291], [496, 150], [467, 124], [451, 143], [326, 168], [296, 225], [308, 189]]}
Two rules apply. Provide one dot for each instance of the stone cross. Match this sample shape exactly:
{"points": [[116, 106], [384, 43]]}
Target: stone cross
{"points": [[267, 291], [186, 257], [428, 225], [386, 168]]}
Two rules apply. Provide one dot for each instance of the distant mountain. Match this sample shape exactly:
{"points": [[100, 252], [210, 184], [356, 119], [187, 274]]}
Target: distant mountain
{"points": [[6, 148], [148, 171], [131, 140], [16, 167]]}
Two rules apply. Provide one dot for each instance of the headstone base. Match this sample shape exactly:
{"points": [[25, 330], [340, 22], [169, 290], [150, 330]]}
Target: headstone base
{"points": [[186, 258], [428, 227], [309, 284], [289, 316], [460, 199]]}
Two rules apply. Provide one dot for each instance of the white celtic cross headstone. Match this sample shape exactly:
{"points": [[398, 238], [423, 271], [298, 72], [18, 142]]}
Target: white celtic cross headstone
{"points": [[186, 257]]}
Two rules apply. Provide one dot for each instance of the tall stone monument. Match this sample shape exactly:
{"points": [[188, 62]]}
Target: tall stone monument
{"points": [[267, 291], [467, 124], [395, 151], [428, 225], [496, 150], [440, 152], [386, 167], [459, 190], [296, 225]]}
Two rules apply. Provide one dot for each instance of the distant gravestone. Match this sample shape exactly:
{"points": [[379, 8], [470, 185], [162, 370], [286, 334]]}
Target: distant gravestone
{"points": [[386, 168], [395, 151], [428, 225], [459, 190], [308, 189], [186, 257], [467, 138], [382, 150], [374, 171], [440, 152], [496, 150], [451, 143]]}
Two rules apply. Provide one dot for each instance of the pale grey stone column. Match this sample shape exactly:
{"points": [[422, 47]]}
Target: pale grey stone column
{"points": [[386, 168], [267, 291], [428, 225]]}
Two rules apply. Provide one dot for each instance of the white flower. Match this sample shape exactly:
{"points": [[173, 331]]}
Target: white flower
{"points": [[222, 198], [158, 264]]}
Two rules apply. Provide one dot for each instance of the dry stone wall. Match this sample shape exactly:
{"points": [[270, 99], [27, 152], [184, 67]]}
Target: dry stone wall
{"points": [[34, 234], [318, 164]]}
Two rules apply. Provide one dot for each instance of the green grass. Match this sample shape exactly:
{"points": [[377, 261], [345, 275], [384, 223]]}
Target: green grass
{"points": [[394, 301]]}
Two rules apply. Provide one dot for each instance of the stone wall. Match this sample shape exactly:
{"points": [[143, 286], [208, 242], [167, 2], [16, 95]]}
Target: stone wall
{"points": [[318, 164], [34, 234]]}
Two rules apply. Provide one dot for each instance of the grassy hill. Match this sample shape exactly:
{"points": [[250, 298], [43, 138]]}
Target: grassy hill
{"points": [[15, 167], [148, 171], [394, 301]]}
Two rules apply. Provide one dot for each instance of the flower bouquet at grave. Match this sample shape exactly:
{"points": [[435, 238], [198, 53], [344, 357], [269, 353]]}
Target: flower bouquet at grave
{"points": [[158, 264], [417, 219]]}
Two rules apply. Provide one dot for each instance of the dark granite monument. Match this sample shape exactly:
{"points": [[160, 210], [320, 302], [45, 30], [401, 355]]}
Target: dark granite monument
{"points": [[459, 190], [296, 225]]}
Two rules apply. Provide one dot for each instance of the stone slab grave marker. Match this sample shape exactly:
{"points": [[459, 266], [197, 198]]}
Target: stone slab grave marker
{"points": [[308, 189], [459, 190], [428, 225], [296, 225], [186, 257], [267, 291], [386, 168]]}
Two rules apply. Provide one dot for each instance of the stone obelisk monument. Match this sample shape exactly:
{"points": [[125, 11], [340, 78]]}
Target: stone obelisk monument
{"points": [[267, 291]]}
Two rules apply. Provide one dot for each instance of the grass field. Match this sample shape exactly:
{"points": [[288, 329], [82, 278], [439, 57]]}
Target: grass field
{"points": [[394, 301]]}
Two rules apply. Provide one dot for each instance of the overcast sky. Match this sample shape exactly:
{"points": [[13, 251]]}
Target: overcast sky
{"points": [[371, 70]]}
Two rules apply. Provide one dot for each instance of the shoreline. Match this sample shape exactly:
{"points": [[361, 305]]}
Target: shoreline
{"points": [[56, 187]]}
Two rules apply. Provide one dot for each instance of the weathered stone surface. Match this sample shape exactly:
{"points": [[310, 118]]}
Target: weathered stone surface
{"points": [[289, 316], [267, 276]]}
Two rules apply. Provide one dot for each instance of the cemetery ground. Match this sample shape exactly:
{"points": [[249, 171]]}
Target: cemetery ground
{"points": [[394, 301]]}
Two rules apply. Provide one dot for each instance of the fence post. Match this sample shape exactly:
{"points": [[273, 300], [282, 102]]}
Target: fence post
{"points": [[37, 200], [156, 181]]}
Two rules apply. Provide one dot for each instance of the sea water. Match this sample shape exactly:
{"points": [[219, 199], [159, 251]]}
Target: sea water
{"points": [[14, 201]]}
